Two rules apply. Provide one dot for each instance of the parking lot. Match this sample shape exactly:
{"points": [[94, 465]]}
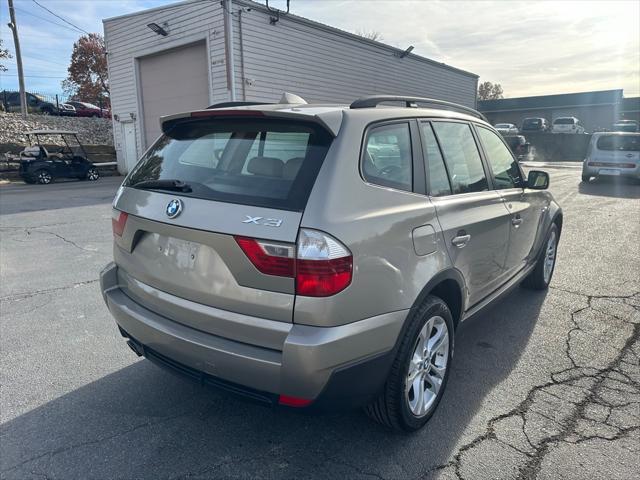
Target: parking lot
{"points": [[543, 385]]}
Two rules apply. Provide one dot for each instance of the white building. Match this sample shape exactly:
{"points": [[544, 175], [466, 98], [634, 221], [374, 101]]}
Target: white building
{"points": [[184, 65]]}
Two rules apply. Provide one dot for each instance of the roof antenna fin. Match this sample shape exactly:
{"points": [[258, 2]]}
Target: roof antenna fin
{"points": [[290, 98]]}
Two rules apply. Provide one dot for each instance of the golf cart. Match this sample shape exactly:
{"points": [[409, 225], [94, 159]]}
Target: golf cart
{"points": [[42, 165]]}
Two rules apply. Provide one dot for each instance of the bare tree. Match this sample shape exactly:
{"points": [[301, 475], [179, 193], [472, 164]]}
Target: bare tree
{"points": [[4, 53], [370, 34], [490, 91]]}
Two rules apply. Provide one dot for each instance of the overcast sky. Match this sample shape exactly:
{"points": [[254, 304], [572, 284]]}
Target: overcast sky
{"points": [[531, 48]]}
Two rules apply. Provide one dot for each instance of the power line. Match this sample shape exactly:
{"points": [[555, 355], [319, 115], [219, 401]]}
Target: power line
{"points": [[27, 76], [46, 19], [58, 16]]}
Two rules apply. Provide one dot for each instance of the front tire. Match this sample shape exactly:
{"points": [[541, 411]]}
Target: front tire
{"points": [[586, 178], [92, 174], [420, 370], [43, 177], [540, 277]]}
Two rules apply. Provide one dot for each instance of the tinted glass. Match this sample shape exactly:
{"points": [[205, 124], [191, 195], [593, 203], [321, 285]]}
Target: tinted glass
{"points": [[269, 163], [387, 157], [436, 171], [564, 121], [626, 143], [531, 122], [506, 173], [461, 156]]}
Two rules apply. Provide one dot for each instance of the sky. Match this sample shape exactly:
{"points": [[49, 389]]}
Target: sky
{"points": [[529, 47]]}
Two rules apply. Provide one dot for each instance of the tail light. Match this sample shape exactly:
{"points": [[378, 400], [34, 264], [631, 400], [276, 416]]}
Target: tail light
{"points": [[320, 264], [118, 222]]}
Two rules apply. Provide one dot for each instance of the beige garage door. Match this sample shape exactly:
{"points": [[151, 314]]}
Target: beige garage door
{"points": [[171, 82]]}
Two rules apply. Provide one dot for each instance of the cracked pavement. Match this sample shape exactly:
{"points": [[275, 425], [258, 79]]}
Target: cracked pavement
{"points": [[543, 385]]}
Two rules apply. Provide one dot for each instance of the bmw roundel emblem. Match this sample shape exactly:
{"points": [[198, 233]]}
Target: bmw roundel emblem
{"points": [[174, 208]]}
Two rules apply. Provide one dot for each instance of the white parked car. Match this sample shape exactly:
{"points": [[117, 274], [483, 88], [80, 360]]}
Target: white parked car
{"points": [[612, 154], [567, 125], [506, 128]]}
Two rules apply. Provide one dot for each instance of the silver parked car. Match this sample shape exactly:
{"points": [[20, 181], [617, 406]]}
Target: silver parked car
{"points": [[323, 256], [506, 128], [612, 154]]}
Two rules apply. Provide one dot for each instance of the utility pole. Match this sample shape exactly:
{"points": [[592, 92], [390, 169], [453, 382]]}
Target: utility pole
{"points": [[16, 43], [228, 33]]}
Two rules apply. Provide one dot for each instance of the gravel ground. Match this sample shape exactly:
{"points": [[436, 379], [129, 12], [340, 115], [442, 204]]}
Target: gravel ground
{"points": [[543, 385], [96, 131]]}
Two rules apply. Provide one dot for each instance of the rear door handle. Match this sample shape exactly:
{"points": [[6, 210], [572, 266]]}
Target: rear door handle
{"points": [[461, 240], [516, 221]]}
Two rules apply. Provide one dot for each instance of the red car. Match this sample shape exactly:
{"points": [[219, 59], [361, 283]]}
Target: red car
{"points": [[84, 109]]}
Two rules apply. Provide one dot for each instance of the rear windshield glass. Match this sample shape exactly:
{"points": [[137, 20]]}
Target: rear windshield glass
{"points": [[263, 162], [564, 121], [627, 143], [531, 122]]}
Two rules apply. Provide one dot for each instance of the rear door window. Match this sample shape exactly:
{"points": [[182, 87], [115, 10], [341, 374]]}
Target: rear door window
{"points": [[387, 158], [262, 162], [506, 173], [461, 156]]}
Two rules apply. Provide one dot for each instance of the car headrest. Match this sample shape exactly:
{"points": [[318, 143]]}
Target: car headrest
{"points": [[31, 151], [266, 166], [292, 167]]}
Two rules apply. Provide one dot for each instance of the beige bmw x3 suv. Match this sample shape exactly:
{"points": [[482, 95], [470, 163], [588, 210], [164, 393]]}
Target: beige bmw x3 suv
{"points": [[323, 256]]}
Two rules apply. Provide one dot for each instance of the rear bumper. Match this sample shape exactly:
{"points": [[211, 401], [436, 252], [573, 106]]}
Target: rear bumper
{"points": [[596, 171], [332, 366]]}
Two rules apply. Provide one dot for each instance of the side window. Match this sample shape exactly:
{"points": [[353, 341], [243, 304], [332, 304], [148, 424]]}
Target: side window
{"points": [[387, 156], [436, 171], [506, 173], [461, 156]]}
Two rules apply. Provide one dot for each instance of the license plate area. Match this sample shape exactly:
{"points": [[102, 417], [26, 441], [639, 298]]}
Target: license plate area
{"points": [[609, 171]]}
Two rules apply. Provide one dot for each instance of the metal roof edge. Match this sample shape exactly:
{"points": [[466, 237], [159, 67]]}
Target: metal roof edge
{"points": [[151, 10]]}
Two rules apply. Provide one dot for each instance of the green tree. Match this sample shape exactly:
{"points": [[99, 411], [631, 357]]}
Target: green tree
{"points": [[490, 91], [4, 53], [88, 79]]}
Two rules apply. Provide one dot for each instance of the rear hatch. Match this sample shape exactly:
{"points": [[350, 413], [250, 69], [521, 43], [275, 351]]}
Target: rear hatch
{"points": [[616, 151], [205, 186]]}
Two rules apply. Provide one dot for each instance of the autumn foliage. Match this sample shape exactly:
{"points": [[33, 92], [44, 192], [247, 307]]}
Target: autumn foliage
{"points": [[88, 79]]}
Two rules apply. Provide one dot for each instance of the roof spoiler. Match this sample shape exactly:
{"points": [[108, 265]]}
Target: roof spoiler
{"points": [[286, 99], [412, 102]]}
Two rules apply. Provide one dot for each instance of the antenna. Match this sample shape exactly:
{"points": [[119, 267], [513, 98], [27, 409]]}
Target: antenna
{"points": [[276, 19]]}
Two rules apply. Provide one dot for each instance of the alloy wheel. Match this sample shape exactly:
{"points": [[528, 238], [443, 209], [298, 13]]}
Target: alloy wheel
{"points": [[550, 257], [92, 174], [427, 366], [44, 177]]}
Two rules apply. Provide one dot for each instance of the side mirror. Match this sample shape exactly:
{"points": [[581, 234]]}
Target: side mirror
{"points": [[538, 180]]}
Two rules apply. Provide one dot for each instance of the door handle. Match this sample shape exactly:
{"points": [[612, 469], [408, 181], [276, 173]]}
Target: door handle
{"points": [[461, 241], [516, 221]]}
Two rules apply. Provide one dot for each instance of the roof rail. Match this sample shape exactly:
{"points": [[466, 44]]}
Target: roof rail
{"points": [[412, 102], [235, 104]]}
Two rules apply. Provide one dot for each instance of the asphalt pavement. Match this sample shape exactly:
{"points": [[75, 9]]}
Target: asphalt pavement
{"points": [[543, 385]]}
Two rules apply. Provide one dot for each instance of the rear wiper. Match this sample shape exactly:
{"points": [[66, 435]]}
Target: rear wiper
{"points": [[174, 185]]}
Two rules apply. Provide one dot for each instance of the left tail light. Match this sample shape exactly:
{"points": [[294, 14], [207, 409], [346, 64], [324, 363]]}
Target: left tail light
{"points": [[118, 222]]}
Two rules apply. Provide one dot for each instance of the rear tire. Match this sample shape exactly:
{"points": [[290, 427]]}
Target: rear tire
{"points": [[540, 277], [419, 373], [586, 178]]}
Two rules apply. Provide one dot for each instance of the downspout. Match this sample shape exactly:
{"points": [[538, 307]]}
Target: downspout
{"points": [[243, 77], [228, 33]]}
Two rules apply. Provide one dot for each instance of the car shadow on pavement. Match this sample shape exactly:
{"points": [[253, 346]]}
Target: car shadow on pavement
{"points": [[611, 187], [142, 422]]}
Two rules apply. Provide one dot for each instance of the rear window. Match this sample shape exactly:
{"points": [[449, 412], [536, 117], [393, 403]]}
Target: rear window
{"points": [[266, 162], [626, 143], [564, 121], [531, 122]]}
